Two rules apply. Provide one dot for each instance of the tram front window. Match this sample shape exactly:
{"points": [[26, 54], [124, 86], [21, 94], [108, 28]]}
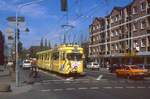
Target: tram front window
{"points": [[74, 56]]}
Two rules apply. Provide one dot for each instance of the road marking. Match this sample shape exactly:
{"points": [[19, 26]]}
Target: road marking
{"points": [[94, 87], [67, 82], [140, 87], [70, 79], [58, 89], [149, 87], [45, 90], [70, 88], [85, 81], [99, 77], [50, 74], [82, 88], [130, 87], [118, 87], [107, 87], [81, 79], [76, 82]]}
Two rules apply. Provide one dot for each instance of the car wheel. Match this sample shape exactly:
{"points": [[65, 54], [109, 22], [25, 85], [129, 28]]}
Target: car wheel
{"points": [[128, 77], [117, 75]]}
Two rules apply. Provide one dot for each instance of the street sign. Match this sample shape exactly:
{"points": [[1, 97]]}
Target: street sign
{"points": [[13, 19], [10, 31]]}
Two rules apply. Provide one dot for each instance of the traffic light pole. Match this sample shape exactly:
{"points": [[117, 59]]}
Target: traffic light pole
{"points": [[16, 43], [16, 37]]}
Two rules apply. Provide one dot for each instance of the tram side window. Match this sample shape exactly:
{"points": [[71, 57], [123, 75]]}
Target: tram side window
{"points": [[63, 56], [55, 56]]}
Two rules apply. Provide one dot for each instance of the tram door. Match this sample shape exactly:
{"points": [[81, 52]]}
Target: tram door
{"points": [[55, 61]]}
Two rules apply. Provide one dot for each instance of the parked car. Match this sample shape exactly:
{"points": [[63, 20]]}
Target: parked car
{"points": [[93, 65], [10, 63], [131, 71], [26, 64], [112, 69]]}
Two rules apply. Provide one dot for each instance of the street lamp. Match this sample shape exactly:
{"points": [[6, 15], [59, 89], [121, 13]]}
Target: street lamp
{"points": [[16, 37]]}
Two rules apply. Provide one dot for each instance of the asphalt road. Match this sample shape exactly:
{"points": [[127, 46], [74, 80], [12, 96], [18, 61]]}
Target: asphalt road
{"points": [[52, 86]]}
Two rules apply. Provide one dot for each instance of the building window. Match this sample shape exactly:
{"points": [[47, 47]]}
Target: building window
{"points": [[142, 43], [143, 24], [116, 32], [116, 47], [134, 26], [116, 18], [112, 34], [134, 10], [126, 27], [143, 6], [93, 28], [93, 39], [135, 44], [112, 21]]}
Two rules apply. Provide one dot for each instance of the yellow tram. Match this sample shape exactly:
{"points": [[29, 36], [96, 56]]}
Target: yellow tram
{"points": [[64, 59]]}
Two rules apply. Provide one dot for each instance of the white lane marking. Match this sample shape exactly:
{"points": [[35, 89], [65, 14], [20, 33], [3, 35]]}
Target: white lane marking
{"points": [[141, 87], [70, 88], [76, 82], [45, 83], [70, 79], [58, 89], [94, 87], [130, 87], [118, 87], [53, 80], [81, 79], [107, 87], [149, 87], [99, 77], [85, 81], [45, 90], [82, 88]]}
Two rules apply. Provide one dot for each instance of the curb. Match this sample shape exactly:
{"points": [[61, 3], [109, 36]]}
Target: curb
{"points": [[5, 88], [4, 73]]}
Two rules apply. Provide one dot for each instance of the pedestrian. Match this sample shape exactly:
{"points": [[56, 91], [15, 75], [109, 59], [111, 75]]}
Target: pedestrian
{"points": [[34, 69]]}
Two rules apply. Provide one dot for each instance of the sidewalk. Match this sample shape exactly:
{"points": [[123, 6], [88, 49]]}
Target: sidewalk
{"points": [[8, 84]]}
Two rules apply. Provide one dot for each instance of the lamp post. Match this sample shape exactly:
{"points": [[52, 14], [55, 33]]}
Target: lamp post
{"points": [[16, 36]]}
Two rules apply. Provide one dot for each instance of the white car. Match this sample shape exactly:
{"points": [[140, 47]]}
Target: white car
{"points": [[10, 63], [26, 64], [93, 65]]}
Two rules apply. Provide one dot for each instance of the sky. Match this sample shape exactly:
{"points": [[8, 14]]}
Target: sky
{"points": [[45, 19]]}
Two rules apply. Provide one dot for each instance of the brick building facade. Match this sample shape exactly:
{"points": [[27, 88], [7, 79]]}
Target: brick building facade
{"points": [[123, 36]]}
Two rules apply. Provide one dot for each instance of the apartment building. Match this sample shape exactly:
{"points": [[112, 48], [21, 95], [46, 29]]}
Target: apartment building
{"points": [[123, 36]]}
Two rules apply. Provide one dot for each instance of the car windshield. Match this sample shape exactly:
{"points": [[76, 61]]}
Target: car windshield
{"points": [[26, 61], [74, 56], [135, 67]]}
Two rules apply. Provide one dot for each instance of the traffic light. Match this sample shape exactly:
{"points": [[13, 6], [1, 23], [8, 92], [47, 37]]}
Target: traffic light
{"points": [[18, 33], [10, 38], [64, 5]]}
